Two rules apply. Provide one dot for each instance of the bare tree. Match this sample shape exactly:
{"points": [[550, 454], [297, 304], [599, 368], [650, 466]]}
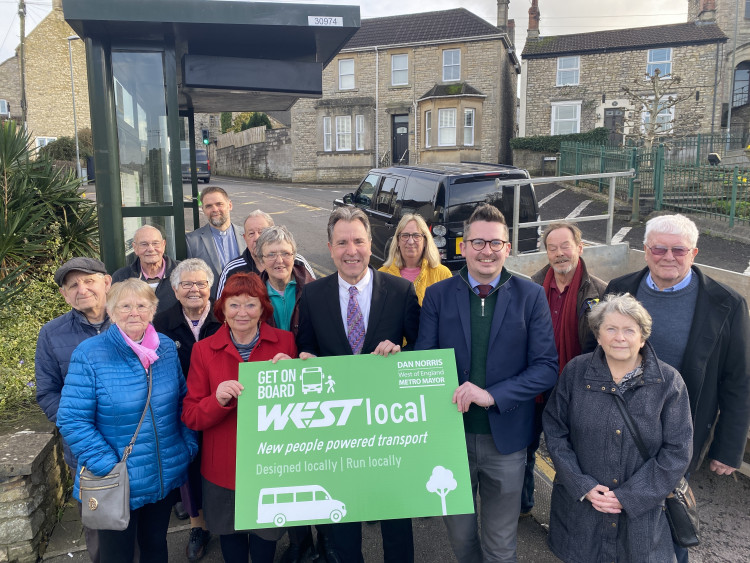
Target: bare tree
{"points": [[652, 99]]}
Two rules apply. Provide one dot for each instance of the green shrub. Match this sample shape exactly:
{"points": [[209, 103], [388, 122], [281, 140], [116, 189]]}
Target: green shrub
{"points": [[20, 321], [741, 209], [551, 143], [64, 148]]}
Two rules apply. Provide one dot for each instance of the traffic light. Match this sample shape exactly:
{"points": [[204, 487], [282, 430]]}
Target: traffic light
{"points": [[205, 136]]}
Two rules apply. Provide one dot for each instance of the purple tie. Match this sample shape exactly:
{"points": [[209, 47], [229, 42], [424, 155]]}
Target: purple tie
{"points": [[355, 324], [484, 290]]}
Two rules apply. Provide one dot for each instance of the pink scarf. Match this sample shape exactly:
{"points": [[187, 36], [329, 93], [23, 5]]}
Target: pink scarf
{"points": [[146, 349]]}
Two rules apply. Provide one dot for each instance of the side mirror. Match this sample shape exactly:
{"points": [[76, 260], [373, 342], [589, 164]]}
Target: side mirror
{"points": [[349, 199]]}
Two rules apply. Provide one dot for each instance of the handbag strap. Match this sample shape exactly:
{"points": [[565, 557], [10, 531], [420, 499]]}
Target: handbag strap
{"points": [[632, 428], [129, 447]]}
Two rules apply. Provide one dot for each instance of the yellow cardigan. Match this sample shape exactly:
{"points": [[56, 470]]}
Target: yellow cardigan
{"points": [[427, 276]]}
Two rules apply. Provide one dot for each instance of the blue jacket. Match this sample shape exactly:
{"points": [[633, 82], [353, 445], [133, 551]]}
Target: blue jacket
{"points": [[102, 401], [57, 340], [522, 358]]}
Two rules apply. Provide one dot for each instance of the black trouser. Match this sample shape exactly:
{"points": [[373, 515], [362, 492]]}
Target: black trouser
{"points": [[235, 547], [346, 540], [148, 526]]}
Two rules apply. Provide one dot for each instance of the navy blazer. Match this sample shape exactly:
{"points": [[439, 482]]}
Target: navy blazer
{"points": [[522, 358], [394, 315]]}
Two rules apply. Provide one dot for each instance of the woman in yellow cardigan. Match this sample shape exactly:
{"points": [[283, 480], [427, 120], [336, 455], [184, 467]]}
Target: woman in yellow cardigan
{"points": [[414, 256]]}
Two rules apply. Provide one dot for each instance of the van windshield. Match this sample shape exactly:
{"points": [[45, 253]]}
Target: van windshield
{"points": [[466, 193], [200, 155]]}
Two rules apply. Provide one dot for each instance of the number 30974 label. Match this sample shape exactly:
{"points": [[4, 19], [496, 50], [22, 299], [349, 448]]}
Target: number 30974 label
{"points": [[325, 21]]}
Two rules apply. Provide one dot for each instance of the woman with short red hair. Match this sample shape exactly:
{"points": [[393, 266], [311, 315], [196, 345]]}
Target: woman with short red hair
{"points": [[211, 406]]}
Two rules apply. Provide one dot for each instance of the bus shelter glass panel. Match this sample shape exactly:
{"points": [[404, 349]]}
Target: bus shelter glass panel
{"points": [[141, 107]]}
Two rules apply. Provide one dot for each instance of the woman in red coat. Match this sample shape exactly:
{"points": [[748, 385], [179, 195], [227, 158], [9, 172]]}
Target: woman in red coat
{"points": [[211, 406]]}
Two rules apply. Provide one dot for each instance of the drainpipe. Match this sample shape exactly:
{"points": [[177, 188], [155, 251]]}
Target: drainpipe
{"points": [[713, 108], [414, 103], [731, 82], [377, 109]]}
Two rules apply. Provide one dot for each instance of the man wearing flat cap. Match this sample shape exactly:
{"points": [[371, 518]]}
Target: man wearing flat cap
{"points": [[84, 284]]}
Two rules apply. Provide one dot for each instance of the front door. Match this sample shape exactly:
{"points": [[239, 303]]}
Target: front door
{"points": [[614, 119], [400, 143]]}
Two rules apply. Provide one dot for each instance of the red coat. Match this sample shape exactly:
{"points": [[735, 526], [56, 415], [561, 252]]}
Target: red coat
{"points": [[215, 359]]}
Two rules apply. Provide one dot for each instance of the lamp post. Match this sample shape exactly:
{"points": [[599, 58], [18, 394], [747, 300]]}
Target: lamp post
{"points": [[73, 91]]}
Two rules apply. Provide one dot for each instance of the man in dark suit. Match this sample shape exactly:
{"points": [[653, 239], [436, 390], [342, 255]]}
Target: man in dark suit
{"points": [[218, 242], [501, 331], [358, 310]]}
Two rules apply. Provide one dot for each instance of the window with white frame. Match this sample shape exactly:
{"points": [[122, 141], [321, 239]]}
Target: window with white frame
{"points": [[346, 74], [343, 132], [359, 123], [451, 65], [664, 118], [469, 127], [568, 70], [447, 127], [44, 141], [660, 59], [399, 70], [566, 118], [327, 140], [427, 129], [4, 108]]}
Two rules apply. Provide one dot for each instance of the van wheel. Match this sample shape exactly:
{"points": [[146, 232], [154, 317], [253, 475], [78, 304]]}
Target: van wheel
{"points": [[280, 520], [336, 516]]}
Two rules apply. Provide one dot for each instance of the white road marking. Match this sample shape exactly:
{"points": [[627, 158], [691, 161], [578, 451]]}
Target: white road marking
{"points": [[747, 272], [550, 196], [619, 235], [577, 211]]}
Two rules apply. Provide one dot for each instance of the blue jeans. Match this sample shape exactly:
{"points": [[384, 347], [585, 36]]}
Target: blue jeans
{"points": [[498, 480]]}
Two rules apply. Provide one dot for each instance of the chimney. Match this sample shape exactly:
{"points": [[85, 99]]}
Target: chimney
{"points": [[512, 31], [502, 15], [707, 12], [532, 34]]}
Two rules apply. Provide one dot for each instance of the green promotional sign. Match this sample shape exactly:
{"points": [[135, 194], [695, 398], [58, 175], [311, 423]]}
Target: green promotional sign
{"points": [[350, 438]]}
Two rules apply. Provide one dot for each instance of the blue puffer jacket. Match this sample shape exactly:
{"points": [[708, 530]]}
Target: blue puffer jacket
{"points": [[104, 395]]}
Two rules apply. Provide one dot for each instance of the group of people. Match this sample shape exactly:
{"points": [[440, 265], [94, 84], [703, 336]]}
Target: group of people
{"points": [[555, 354]]}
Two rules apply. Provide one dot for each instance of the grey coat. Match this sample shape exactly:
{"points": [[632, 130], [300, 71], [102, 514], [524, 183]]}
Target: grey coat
{"points": [[590, 444]]}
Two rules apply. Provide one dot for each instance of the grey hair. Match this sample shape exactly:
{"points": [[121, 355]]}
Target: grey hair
{"points": [[148, 226], [133, 286], [259, 213], [672, 225], [572, 227], [190, 265], [276, 233], [622, 303], [349, 214]]}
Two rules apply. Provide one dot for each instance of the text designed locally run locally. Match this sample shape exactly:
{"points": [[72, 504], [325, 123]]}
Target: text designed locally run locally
{"points": [[350, 438]]}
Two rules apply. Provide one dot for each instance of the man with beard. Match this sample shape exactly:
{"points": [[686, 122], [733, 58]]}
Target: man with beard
{"points": [[219, 242], [571, 292]]}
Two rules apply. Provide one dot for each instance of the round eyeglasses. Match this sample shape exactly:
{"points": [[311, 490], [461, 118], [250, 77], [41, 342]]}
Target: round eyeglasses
{"points": [[495, 245]]}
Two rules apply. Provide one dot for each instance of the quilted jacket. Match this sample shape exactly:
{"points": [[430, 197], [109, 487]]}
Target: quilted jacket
{"points": [[102, 401]]}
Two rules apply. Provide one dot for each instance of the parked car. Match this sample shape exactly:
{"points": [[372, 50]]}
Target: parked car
{"points": [[201, 161], [445, 195]]}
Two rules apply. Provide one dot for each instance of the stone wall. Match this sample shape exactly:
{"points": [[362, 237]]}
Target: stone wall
{"points": [[270, 160], [534, 162], [604, 74], [10, 85], [32, 473], [48, 94]]}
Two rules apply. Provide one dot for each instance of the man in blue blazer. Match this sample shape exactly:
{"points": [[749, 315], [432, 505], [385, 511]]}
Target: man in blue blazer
{"points": [[382, 311], [501, 331], [218, 242]]}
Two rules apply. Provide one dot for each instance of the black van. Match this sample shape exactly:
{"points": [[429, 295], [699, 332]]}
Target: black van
{"points": [[201, 162], [445, 195]]}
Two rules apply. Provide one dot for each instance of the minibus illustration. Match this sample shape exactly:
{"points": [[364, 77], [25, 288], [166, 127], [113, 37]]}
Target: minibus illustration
{"points": [[294, 504]]}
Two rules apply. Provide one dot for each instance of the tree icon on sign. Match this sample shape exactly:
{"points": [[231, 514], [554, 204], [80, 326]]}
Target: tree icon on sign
{"points": [[441, 482]]}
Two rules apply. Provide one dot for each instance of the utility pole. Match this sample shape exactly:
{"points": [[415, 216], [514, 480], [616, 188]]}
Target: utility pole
{"points": [[22, 19]]}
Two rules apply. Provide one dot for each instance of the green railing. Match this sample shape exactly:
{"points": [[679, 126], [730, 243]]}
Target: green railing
{"points": [[675, 177]]}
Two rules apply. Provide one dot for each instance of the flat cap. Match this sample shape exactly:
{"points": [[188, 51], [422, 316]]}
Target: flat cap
{"points": [[81, 264]]}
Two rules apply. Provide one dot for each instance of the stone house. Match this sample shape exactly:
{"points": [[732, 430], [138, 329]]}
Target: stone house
{"points": [[417, 88], [574, 83], [10, 89]]}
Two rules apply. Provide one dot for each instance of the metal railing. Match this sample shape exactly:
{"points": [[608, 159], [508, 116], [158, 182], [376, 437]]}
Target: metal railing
{"points": [[609, 216]]}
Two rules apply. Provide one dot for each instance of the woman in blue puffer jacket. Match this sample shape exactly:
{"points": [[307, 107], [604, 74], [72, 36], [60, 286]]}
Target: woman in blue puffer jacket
{"points": [[102, 401]]}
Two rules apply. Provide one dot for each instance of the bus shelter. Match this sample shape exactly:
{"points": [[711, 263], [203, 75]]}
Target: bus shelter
{"points": [[151, 62]]}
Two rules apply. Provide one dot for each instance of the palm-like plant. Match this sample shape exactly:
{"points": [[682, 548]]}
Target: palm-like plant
{"points": [[44, 220]]}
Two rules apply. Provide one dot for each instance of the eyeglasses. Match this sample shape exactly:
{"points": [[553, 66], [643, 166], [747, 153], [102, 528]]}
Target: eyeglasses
{"points": [[495, 245], [273, 255], [127, 309], [190, 284], [677, 251], [156, 244], [406, 236]]}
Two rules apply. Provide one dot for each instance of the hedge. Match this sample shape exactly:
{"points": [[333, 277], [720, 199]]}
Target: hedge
{"points": [[551, 143]]}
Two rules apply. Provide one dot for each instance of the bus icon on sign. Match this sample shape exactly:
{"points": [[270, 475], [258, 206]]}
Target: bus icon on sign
{"points": [[312, 380], [295, 504]]}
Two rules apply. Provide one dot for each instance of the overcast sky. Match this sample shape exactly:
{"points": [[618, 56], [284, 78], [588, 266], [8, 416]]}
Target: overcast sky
{"points": [[558, 17]]}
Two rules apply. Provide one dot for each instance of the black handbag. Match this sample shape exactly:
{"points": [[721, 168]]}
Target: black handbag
{"points": [[105, 501], [681, 509]]}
